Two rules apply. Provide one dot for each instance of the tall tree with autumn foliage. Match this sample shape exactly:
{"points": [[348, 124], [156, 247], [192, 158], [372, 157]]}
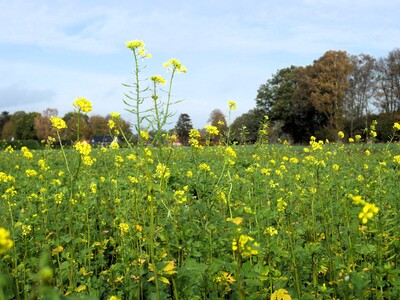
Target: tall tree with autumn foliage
{"points": [[328, 80]]}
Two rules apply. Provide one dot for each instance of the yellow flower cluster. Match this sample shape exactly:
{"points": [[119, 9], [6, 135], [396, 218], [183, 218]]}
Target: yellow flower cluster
{"points": [[212, 130], [115, 116], [5, 242], [144, 135], [30, 173], [396, 126], [123, 227], [58, 123], [83, 147], [271, 231], [82, 104], [368, 210], [204, 167], [194, 136], [162, 171], [9, 149], [232, 105], [179, 196], [245, 245], [158, 79], [316, 145], [6, 178], [137, 46], [174, 64], [26, 152]]}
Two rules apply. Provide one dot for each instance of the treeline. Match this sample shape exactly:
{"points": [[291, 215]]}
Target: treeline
{"points": [[338, 92], [35, 126]]}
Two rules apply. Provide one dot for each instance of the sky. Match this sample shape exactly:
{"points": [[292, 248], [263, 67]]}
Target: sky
{"points": [[53, 51]]}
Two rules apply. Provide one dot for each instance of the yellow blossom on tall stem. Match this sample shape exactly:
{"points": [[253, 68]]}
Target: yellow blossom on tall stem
{"points": [[82, 104], [57, 123], [158, 79], [174, 64], [232, 105]]}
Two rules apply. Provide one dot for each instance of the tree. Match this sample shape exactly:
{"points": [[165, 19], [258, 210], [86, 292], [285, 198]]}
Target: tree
{"points": [[388, 87], [4, 118], [361, 89], [328, 79], [70, 134], [42, 124], [217, 119], [285, 98], [245, 127], [183, 126], [98, 125], [24, 125]]}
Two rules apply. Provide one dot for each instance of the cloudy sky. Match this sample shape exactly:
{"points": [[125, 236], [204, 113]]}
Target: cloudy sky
{"points": [[54, 51]]}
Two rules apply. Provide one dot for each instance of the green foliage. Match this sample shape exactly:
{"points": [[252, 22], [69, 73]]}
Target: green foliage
{"points": [[183, 127], [216, 222]]}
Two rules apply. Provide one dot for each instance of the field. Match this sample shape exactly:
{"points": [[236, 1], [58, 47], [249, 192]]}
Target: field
{"points": [[219, 222]]}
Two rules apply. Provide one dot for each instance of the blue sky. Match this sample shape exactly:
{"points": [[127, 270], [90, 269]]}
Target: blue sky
{"points": [[54, 51]]}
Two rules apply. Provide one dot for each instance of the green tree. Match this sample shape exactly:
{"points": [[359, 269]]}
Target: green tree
{"points": [[24, 125], [285, 99], [4, 118], [245, 127], [182, 127]]}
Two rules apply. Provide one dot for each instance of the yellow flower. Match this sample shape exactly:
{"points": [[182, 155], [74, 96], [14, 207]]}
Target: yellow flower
{"points": [[83, 148], [26, 152], [212, 130], [158, 79], [396, 159], [271, 231], [335, 167], [144, 135], [114, 145], [123, 227], [358, 137], [281, 294], [133, 45], [162, 171], [351, 140], [229, 152], [9, 149], [115, 115], [232, 105], [111, 124], [396, 126], [82, 104], [204, 167], [367, 212], [58, 123], [340, 134], [5, 242], [174, 64], [30, 173]]}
